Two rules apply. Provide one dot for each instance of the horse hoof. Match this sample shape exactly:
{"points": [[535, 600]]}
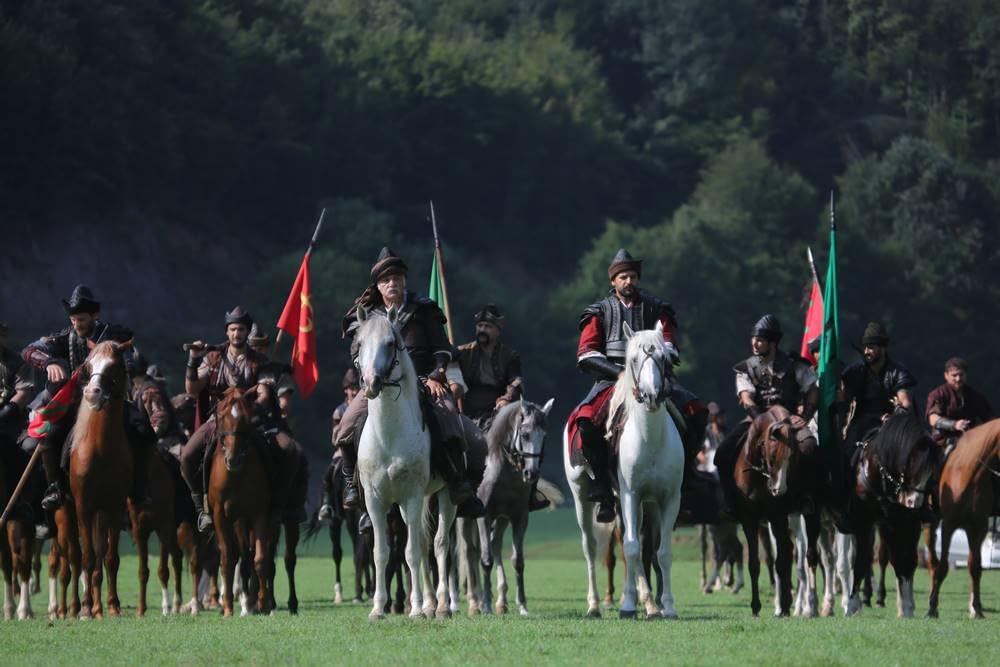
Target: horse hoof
{"points": [[443, 613], [737, 588], [356, 601], [523, 611], [622, 613], [974, 614], [879, 603], [338, 598], [25, 615], [593, 612], [501, 609], [654, 616], [670, 615], [376, 615], [933, 613]]}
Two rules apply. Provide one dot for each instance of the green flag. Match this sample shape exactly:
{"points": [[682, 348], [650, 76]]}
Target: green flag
{"points": [[438, 290], [829, 353]]}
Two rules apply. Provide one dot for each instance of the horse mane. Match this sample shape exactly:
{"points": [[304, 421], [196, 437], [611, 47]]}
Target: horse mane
{"points": [[232, 396], [979, 444], [900, 435], [501, 428]]}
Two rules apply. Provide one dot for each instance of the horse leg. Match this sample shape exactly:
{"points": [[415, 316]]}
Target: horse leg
{"points": [[609, 564], [827, 561], [36, 567], [782, 565], [337, 553], [768, 543], [939, 566], [7, 565], [291, 542], [54, 564], [469, 559], [264, 538], [496, 549], [797, 522], [812, 535], [413, 512], [91, 604], [883, 564], [751, 531], [585, 519], [442, 543], [226, 539], [631, 548], [703, 543], [862, 565], [736, 561], [846, 553], [486, 528], [177, 563], [976, 532], [903, 541], [376, 511], [112, 561], [708, 544], [519, 527], [665, 554], [140, 536]]}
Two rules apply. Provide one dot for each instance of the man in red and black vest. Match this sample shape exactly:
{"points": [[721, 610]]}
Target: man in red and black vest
{"points": [[601, 352], [955, 407]]}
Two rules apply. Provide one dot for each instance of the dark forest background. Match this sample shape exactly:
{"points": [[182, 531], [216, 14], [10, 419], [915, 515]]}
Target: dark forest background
{"points": [[175, 156]]}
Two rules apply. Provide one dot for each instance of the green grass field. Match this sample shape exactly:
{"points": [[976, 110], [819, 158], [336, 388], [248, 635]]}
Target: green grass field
{"points": [[713, 629]]}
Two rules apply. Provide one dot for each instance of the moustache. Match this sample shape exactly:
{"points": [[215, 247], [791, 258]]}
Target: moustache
{"points": [[483, 337]]}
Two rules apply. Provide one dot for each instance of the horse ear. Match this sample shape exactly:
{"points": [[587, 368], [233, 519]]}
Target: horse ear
{"points": [[659, 326], [628, 330], [127, 345], [91, 344], [362, 314], [548, 406], [524, 407]]}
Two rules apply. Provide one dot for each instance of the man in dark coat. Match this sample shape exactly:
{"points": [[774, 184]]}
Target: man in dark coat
{"points": [[767, 378], [17, 388], [601, 352], [421, 325], [351, 386], [955, 407], [490, 368], [59, 355]]}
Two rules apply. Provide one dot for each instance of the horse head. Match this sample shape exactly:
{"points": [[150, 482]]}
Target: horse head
{"points": [[771, 449], [906, 458], [527, 441], [232, 424], [104, 373], [646, 362], [379, 348]]}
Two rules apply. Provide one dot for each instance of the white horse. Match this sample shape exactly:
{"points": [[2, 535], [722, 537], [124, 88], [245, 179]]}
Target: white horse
{"points": [[650, 469], [394, 463]]}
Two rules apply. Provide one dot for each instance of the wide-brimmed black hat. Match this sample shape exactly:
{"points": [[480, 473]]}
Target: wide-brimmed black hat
{"points": [[239, 316], [387, 263], [623, 261], [875, 334], [767, 327], [81, 301], [490, 313]]}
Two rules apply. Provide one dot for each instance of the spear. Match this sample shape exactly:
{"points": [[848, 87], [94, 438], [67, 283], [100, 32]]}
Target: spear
{"points": [[439, 260], [312, 244]]}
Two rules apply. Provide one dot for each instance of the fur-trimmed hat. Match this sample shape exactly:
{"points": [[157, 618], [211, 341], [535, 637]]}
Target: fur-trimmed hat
{"points": [[875, 334], [623, 261], [387, 263], [490, 313], [81, 301], [239, 316]]}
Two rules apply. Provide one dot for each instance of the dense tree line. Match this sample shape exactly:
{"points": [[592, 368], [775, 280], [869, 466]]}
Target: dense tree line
{"points": [[704, 134]]}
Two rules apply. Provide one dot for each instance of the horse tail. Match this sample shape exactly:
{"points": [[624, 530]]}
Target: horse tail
{"points": [[313, 527], [551, 493]]}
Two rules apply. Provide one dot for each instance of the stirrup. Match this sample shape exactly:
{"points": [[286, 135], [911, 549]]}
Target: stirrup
{"points": [[325, 514], [538, 502], [204, 521], [53, 497], [351, 497]]}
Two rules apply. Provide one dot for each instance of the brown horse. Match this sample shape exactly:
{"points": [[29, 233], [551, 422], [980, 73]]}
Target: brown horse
{"points": [[158, 517], [100, 471], [239, 496], [970, 480], [767, 474], [64, 559], [16, 550]]}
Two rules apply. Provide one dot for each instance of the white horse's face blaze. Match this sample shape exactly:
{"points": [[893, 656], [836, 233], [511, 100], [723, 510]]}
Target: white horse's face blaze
{"points": [[106, 378], [778, 454], [647, 363]]}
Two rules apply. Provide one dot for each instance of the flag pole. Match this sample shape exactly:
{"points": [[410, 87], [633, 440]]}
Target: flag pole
{"points": [[444, 283], [812, 266], [312, 244]]}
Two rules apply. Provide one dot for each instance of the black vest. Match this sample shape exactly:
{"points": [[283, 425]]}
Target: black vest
{"points": [[776, 385], [614, 314]]}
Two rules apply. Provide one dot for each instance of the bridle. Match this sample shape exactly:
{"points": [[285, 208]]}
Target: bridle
{"points": [[649, 354], [397, 347], [897, 483], [516, 455], [764, 469], [236, 461]]}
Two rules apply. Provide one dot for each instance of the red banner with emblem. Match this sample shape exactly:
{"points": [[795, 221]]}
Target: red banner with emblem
{"points": [[55, 409], [297, 321], [814, 323]]}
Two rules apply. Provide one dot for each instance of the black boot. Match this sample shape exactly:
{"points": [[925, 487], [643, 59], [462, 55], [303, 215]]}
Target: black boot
{"points": [[364, 522], [460, 488], [537, 501], [595, 450], [351, 497], [53, 497], [204, 518]]}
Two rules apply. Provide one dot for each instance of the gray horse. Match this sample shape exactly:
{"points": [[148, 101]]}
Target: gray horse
{"points": [[513, 463]]}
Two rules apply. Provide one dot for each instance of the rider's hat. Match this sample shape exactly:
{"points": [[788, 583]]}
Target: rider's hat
{"points": [[875, 334], [81, 301], [490, 313], [623, 261], [239, 316], [768, 328], [387, 264]]}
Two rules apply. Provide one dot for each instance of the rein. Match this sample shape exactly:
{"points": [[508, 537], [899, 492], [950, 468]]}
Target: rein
{"points": [[517, 456], [898, 484], [388, 382], [660, 366]]}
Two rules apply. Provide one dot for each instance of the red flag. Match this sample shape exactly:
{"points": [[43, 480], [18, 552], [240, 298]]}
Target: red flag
{"points": [[814, 322], [55, 409], [297, 321]]}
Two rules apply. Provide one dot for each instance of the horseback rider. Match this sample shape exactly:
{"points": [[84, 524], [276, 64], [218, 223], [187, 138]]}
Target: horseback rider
{"points": [[421, 324], [236, 364], [491, 371], [877, 385], [59, 355], [151, 398], [770, 377], [16, 389], [601, 352], [955, 407], [490, 368], [351, 386]]}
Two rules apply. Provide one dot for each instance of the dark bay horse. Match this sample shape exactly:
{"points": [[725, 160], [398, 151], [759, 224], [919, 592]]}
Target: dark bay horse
{"points": [[767, 474], [100, 471], [892, 477], [16, 551], [239, 494], [969, 495]]}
